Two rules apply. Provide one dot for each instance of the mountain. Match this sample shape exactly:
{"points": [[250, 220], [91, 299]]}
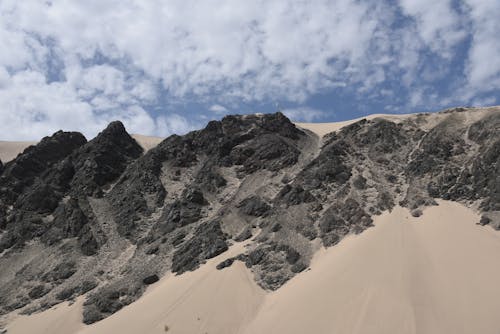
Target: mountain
{"points": [[105, 219]]}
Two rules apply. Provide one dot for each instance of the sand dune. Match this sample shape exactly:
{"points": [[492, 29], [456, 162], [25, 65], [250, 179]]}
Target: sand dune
{"points": [[147, 142], [322, 129], [10, 149], [435, 274]]}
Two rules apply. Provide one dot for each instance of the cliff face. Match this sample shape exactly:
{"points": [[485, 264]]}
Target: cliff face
{"points": [[102, 218]]}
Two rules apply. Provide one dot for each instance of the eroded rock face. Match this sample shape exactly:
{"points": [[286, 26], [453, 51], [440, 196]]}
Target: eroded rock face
{"points": [[75, 214]]}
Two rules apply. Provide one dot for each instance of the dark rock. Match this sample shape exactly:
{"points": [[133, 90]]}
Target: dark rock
{"points": [[62, 271], [91, 315], [359, 182], [87, 286], [416, 213], [298, 267], [152, 250], [208, 241], [276, 227], [150, 279], [67, 293], [254, 206], [225, 263], [484, 220], [87, 242], [244, 235], [293, 195], [255, 257], [38, 291]]}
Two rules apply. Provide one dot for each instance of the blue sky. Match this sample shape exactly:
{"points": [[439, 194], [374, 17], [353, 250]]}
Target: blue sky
{"points": [[166, 67]]}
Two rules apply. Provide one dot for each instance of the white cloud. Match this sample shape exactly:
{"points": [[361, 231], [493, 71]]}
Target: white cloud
{"points": [[483, 68], [218, 109], [304, 114], [438, 23], [117, 58]]}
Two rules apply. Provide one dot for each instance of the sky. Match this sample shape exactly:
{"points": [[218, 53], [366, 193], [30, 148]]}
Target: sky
{"points": [[164, 67]]}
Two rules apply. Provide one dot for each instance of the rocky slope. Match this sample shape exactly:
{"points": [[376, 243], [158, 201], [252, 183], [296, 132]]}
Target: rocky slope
{"points": [[105, 219]]}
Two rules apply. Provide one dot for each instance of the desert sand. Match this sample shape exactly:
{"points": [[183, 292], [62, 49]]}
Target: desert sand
{"points": [[437, 273], [10, 149], [434, 274], [321, 129], [147, 142]]}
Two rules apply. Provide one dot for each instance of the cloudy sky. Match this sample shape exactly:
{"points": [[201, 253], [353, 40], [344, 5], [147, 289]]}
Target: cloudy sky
{"points": [[167, 67]]}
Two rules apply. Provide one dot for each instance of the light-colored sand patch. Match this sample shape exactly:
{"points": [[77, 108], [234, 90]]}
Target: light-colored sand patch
{"points": [[147, 142], [435, 274], [322, 129], [10, 149], [62, 318]]}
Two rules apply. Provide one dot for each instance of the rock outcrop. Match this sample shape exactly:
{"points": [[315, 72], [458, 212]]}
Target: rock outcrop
{"points": [[103, 219]]}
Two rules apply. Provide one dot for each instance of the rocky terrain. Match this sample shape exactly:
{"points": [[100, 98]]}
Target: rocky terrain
{"points": [[104, 219]]}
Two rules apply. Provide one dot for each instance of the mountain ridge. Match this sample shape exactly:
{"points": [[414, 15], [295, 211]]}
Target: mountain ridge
{"points": [[108, 224]]}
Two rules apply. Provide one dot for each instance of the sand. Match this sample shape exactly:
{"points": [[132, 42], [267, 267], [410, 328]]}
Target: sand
{"points": [[64, 318], [10, 149], [438, 273], [435, 274], [321, 129], [147, 142]]}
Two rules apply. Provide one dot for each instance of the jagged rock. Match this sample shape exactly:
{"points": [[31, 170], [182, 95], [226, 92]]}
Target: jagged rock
{"points": [[87, 203], [224, 264], [484, 220], [359, 182], [62, 271], [150, 279], [298, 267], [244, 235], [293, 195], [208, 241], [38, 291], [254, 206]]}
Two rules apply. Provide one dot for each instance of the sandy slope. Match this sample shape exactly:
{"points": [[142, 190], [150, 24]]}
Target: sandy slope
{"points": [[10, 149], [147, 142], [435, 274], [322, 129]]}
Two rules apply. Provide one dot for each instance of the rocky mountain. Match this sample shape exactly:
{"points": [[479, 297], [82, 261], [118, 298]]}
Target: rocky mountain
{"points": [[103, 219]]}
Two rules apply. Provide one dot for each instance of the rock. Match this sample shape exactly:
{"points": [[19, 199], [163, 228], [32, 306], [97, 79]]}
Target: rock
{"points": [[254, 206], [294, 195], [208, 241], [244, 235], [38, 291], [62, 271], [150, 279], [298, 267], [416, 213], [484, 220], [276, 227], [87, 286], [225, 263], [359, 182]]}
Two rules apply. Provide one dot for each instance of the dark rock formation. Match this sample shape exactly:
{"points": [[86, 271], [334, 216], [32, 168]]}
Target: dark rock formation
{"points": [[208, 241], [150, 279], [103, 219]]}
